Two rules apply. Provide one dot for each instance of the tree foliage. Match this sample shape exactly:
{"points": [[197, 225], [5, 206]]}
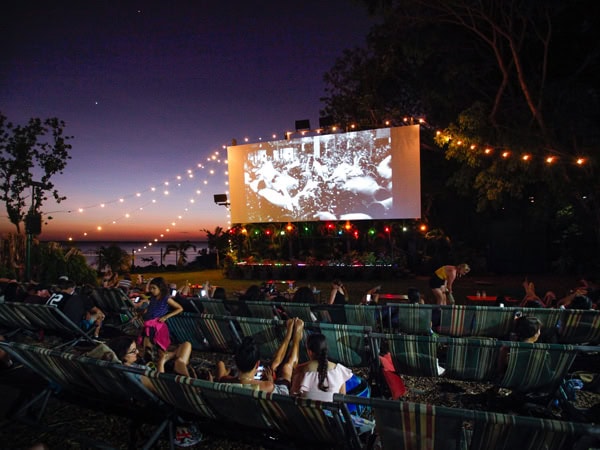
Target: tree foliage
{"points": [[33, 152], [501, 79], [180, 250], [115, 257]]}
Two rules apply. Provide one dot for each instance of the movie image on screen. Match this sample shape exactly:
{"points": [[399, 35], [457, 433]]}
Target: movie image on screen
{"points": [[362, 175]]}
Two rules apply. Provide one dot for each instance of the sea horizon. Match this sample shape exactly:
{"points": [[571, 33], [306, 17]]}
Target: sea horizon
{"points": [[143, 253]]}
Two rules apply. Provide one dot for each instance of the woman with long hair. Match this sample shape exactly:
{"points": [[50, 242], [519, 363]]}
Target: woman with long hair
{"points": [[319, 378]]}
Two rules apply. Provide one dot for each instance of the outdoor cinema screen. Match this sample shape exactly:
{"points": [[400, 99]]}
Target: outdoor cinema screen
{"points": [[362, 175]]}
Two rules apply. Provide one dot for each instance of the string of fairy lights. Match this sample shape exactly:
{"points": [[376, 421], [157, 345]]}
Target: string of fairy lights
{"points": [[214, 163], [153, 196]]}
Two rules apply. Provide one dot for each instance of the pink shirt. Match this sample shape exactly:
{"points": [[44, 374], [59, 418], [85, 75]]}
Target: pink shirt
{"points": [[308, 385]]}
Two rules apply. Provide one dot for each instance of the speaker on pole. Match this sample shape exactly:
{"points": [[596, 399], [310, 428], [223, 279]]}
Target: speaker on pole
{"points": [[33, 223]]}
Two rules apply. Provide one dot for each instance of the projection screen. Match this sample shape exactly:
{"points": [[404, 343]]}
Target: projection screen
{"points": [[362, 175]]}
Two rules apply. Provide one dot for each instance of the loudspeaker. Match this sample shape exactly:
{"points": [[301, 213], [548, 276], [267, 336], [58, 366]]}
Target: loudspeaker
{"points": [[302, 125], [220, 198], [33, 223]]}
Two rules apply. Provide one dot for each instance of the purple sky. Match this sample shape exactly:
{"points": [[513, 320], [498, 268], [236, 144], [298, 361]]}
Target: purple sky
{"points": [[149, 90]]}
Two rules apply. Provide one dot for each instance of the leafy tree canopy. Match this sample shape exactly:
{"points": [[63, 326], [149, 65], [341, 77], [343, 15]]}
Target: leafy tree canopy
{"points": [[30, 156]]}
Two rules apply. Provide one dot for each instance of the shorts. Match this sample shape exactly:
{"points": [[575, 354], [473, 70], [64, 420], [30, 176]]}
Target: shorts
{"points": [[436, 282], [281, 387]]}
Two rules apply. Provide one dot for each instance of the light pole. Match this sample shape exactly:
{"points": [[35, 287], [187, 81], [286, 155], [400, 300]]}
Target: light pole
{"points": [[33, 226]]}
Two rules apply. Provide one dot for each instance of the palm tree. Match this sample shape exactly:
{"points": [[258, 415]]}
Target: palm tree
{"points": [[180, 250], [115, 257], [217, 242]]}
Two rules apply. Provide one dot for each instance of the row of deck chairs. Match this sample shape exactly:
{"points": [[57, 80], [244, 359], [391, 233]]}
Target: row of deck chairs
{"points": [[562, 326], [536, 367], [283, 419]]}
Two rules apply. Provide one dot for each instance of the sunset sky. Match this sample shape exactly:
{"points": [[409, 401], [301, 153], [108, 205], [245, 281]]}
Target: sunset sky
{"points": [[151, 91]]}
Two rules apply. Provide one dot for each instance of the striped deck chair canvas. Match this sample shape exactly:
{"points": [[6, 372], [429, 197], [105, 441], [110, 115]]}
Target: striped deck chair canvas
{"points": [[300, 310], [267, 333], [186, 327], [50, 319], [413, 355], [579, 326], [493, 321], [262, 310], [348, 344], [413, 319], [456, 320], [366, 315], [414, 426], [93, 381], [213, 306], [471, 359], [112, 300], [537, 367], [295, 418], [503, 431], [12, 320], [205, 331]]}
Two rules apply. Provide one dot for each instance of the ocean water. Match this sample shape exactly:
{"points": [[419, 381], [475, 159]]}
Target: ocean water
{"points": [[143, 254]]}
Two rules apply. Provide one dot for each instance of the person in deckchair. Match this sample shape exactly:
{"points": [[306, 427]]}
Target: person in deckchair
{"points": [[277, 376], [319, 378]]}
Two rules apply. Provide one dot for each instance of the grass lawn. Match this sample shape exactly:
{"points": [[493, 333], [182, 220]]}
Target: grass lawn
{"points": [[469, 285]]}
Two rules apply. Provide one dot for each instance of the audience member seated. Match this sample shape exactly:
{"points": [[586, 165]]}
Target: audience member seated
{"points": [[80, 308], [110, 279], [276, 376], [126, 351], [38, 294], [371, 297], [319, 378]]}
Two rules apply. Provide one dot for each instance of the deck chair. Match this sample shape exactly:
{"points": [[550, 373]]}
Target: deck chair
{"points": [[262, 310], [537, 367], [471, 359], [115, 304], [267, 333], [300, 310], [365, 315], [411, 355], [456, 320], [206, 332], [212, 306], [280, 417], [413, 318], [43, 317], [493, 321], [92, 383], [418, 426], [579, 326]]}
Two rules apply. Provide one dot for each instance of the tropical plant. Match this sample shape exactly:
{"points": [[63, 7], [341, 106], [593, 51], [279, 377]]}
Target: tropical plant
{"points": [[218, 242], [115, 257], [180, 250]]}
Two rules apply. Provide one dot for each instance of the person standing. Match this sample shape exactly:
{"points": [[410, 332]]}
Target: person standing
{"points": [[442, 282]]}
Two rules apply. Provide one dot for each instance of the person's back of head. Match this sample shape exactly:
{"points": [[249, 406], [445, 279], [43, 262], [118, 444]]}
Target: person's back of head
{"points": [[526, 327], [414, 296], [253, 293], [219, 293], [316, 343], [64, 284], [247, 354], [303, 294], [580, 302]]}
